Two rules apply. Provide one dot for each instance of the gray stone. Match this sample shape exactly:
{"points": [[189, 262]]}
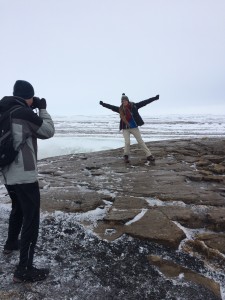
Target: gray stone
{"points": [[155, 226]]}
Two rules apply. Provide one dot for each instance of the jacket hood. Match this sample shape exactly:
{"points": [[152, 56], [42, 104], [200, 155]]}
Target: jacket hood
{"points": [[8, 102]]}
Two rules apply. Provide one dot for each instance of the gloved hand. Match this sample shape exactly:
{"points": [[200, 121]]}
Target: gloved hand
{"points": [[157, 97], [101, 102], [36, 101], [42, 104], [39, 103]]}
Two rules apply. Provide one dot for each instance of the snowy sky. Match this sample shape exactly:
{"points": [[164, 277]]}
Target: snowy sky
{"points": [[77, 52]]}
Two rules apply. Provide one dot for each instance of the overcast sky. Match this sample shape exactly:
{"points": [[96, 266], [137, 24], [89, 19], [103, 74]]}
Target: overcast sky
{"points": [[78, 52]]}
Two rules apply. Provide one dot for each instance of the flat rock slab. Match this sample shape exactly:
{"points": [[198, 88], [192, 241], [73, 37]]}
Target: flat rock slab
{"points": [[155, 226], [214, 241], [129, 203]]}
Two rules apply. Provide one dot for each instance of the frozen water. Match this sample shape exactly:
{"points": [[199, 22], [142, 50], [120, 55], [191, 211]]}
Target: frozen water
{"points": [[77, 134]]}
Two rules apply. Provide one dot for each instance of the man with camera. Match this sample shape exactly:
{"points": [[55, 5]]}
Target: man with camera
{"points": [[21, 176]]}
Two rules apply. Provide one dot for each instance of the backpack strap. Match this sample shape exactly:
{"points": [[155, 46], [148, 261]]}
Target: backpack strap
{"points": [[8, 114], [10, 122], [15, 108]]}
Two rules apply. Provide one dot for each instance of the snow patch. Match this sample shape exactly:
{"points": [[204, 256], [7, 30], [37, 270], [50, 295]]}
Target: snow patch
{"points": [[137, 217]]}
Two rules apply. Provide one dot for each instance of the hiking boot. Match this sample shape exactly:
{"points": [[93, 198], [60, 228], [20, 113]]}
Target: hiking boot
{"points": [[29, 274], [151, 158], [126, 159], [9, 248]]}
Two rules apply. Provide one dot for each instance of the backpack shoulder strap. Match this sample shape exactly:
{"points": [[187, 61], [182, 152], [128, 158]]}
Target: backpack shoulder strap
{"points": [[9, 112]]}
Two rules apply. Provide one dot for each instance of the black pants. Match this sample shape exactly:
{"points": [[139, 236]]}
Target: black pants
{"points": [[24, 218]]}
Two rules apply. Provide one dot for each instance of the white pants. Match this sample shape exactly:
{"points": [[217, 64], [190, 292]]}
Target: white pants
{"points": [[136, 133]]}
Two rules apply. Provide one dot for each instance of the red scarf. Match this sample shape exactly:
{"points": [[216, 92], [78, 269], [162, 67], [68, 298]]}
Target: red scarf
{"points": [[127, 112]]}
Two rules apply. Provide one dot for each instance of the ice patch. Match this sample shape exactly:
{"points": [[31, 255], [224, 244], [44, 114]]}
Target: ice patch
{"points": [[107, 193], [110, 231], [91, 216], [190, 233], [137, 217], [80, 134], [157, 202]]}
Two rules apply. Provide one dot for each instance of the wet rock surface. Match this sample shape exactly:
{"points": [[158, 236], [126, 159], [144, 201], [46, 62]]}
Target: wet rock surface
{"points": [[103, 220]]}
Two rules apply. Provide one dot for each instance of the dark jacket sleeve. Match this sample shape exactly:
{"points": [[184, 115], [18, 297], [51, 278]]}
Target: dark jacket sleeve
{"points": [[145, 102], [112, 107]]}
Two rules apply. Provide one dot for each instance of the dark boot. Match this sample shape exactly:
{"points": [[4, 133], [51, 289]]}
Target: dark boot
{"points": [[126, 159], [29, 274], [151, 158]]}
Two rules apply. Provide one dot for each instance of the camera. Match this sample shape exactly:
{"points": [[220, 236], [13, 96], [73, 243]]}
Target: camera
{"points": [[38, 103]]}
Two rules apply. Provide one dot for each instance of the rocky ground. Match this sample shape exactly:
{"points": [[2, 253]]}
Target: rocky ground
{"points": [[136, 231]]}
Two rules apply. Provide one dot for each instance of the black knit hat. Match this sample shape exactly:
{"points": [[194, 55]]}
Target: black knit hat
{"points": [[23, 89], [124, 97]]}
